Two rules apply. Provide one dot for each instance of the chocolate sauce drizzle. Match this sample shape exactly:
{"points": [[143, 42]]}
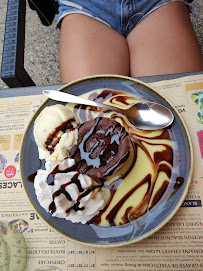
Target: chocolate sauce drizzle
{"points": [[101, 153], [64, 127], [62, 190], [110, 217]]}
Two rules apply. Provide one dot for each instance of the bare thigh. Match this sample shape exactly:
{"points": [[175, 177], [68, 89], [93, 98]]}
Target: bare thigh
{"points": [[89, 47], [164, 43]]}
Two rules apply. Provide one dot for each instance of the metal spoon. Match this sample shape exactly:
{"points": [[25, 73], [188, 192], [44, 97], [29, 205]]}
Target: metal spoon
{"points": [[143, 115]]}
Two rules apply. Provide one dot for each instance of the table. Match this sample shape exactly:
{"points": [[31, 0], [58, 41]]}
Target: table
{"points": [[177, 246], [34, 90]]}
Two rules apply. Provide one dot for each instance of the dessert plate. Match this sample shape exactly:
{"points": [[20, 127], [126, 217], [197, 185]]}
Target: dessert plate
{"points": [[145, 225]]}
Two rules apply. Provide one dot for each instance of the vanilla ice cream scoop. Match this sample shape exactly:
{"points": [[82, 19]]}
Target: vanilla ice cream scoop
{"points": [[61, 150], [51, 124]]}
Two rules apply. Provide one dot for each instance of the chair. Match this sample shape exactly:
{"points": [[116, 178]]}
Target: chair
{"points": [[13, 72]]}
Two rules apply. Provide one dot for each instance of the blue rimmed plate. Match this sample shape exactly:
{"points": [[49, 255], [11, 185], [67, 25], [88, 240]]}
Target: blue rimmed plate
{"points": [[141, 227]]}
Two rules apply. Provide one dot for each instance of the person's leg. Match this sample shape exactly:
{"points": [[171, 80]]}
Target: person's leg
{"points": [[164, 43], [89, 47]]}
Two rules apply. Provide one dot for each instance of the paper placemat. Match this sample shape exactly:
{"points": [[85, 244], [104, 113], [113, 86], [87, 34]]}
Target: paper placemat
{"points": [[177, 246]]}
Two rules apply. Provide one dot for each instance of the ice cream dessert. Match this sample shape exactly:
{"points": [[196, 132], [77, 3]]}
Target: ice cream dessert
{"points": [[70, 194], [49, 132], [3, 162], [16, 161], [109, 173]]}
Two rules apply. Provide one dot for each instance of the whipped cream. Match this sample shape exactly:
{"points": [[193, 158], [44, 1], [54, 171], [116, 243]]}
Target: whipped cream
{"points": [[71, 195]]}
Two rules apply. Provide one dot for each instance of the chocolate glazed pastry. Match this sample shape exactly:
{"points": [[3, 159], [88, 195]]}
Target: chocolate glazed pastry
{"points": [[102, 148]]}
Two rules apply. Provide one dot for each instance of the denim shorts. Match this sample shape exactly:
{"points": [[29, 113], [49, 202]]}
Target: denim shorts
{"points": [[121, 15]]}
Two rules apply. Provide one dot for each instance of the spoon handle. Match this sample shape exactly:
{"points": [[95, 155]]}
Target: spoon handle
{"points": [[66, 97]]}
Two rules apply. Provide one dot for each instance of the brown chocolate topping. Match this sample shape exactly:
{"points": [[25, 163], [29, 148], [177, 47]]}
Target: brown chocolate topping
{"points": [[64, 127], [62, 190], [102, 148]]}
